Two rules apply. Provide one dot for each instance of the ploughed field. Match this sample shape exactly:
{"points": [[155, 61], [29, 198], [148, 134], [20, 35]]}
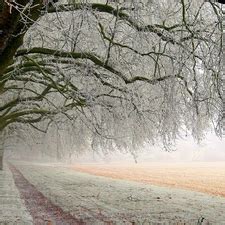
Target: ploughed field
{"points": [[204, 177]]}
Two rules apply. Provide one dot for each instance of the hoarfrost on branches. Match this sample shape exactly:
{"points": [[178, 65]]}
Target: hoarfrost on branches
{"points": [[121, 73]]}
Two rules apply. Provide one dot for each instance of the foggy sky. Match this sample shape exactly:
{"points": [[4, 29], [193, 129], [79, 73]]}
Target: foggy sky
{"points": [[209, 150]]}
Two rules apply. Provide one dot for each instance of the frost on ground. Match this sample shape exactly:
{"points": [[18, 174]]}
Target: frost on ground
{"points": [[97, 200], [207, 177], [43, 211], [12, 209]]}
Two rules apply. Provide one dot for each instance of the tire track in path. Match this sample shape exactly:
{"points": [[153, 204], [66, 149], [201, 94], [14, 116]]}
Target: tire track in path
{"points": [[43, 211]]}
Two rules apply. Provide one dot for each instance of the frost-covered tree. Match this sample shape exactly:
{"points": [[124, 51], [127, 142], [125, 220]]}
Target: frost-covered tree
{"points": [[123, 72]]}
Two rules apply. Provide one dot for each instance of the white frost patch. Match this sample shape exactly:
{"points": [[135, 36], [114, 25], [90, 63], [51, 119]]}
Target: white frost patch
{"points": [[12, 208], [87, 196]]}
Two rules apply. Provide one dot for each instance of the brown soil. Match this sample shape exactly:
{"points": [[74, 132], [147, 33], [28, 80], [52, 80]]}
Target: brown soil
{"points": [[204, 177]]}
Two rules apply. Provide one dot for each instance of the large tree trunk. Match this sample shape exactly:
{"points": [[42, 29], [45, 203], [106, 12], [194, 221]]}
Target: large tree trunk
{"points": [[1, 149], [12, 30], [1, 162]]}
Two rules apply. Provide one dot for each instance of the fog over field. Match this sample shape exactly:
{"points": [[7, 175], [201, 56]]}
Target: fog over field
{"points": [[210, 149], [186, 149]]}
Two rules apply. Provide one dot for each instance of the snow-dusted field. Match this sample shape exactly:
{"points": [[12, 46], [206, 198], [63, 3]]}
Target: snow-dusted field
{"points": [[97, 200], [12, 208], [207, 177]]}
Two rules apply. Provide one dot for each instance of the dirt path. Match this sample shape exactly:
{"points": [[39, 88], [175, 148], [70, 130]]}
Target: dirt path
{"points": [[41, 208]]}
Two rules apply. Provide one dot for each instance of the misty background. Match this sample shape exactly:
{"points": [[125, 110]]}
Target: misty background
{"points": [[211, 149]]}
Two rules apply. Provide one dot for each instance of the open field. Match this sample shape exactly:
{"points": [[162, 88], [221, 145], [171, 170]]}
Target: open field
{"points": [[56, 194], [204, 177]]}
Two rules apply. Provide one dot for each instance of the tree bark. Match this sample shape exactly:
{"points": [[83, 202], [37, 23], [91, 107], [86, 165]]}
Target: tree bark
{"points": [[1, 149], [1, 162], [12, 30]]}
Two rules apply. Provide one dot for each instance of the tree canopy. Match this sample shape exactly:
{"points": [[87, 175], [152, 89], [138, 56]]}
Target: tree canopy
{"points": [[123, 72]]}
